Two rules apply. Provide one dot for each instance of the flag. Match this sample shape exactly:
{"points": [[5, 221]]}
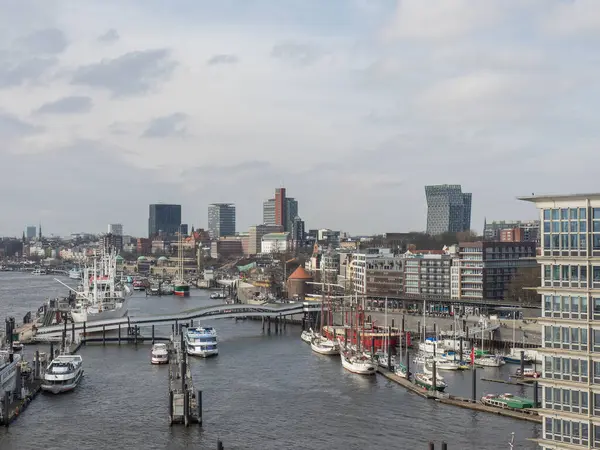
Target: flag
{"points": [[473, 356]]}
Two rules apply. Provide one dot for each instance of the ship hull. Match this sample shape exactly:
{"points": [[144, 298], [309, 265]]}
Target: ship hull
{"points": [[110, 314]]}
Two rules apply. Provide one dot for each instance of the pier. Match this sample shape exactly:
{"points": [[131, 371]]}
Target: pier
{"points": [[185, 403]]}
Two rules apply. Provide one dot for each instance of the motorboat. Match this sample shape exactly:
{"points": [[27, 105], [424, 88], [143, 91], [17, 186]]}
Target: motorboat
{"points": [[426, 381], [75, 274], [17, 346], [8, 369], [39, 271], [160, 354], [218, 295], [528, 373], [201, 341], [324, 346], [358, 363], [308, 335], [63, 374]]}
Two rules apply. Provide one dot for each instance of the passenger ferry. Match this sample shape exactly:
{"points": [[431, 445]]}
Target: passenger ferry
{"points": [[201, 341], [63, 374]]}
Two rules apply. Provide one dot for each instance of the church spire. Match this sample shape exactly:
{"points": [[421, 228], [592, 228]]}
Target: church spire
{"points": [[40, 231]]}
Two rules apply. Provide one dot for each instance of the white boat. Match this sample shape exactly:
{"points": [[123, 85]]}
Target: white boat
{"points": [[100, 295], [39, 271], [159, 354], [17, 346], [358, 363], [431, 345], [8, 370], [489, 361], [218, 295], [201, 341], [308, 336], [75, 274], [63, 374], [447, 365], [428, 370], [426, 381], [324, 346]]}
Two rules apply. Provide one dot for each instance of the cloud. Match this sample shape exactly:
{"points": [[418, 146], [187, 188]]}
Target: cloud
{"points": [[67, 105], [109, 37], [222, 59], [573, 18], [130, 74], [47, 41], [300, 54], [16, 73], [12, 127], [166, 126]]}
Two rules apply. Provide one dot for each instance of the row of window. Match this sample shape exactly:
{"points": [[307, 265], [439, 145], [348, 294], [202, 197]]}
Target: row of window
{"points": [[570, 213], [571, 241], [568, 400], [567, 338], [570, 369], [572, 227], [569, 431], [569, 307]]}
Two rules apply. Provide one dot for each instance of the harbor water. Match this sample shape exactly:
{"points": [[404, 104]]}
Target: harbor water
{"points": [[262, 392]]}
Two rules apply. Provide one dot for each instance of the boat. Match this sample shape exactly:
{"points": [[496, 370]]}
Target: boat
{"points": [[8, 370], [307, 335], [166, 289], [75, 274], [517, 359], [63, 374], [431, 345], [17, 346], [181, 288], [426, 381], [489, 361], [100, 295], [358, 363], [159, 354], [140, 285], [218, 295], [39, 271], [507, 401], [528, 373], [324, 346], [201, 341], [447, 365]]}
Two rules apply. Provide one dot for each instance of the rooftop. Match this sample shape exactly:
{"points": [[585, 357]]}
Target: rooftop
{"points": [[549, 197], [276, 236], [300, 274]]}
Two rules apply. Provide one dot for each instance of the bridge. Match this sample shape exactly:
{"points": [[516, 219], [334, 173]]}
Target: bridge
{"points": [[208, 312]]}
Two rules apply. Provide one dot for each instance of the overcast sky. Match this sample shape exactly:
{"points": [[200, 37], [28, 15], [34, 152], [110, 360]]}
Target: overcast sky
{"points": [[353, 105]]}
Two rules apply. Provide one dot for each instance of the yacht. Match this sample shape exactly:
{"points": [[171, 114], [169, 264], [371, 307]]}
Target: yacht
{"points": [[201, 341], [426, 381], [308, 336], [324, 346], [358, 363], [431, 345], [8, 370], [63, 374], [489, 361], [160, 354]]}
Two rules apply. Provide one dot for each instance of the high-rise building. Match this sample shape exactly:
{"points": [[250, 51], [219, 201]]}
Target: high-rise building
{"points": [[298, 232], [570, 290], [280, 210], [255, 235], [110, 240], [221, 220], [448, 209], [164, 219], [31, 230], [115, 228]]}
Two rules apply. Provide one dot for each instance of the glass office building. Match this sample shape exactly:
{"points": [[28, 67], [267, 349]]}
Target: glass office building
{"points": [[448, 209]]}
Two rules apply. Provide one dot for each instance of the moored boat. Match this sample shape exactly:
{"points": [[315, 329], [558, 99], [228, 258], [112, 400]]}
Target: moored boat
{"points": [[8, 369], [17, 346], [528, 373], [358, 363], [324, 346], [63, 374], [426, 381], [181, 288], [159, 354], [201, 341], [489, 361], [307, 335], [507, 401]]}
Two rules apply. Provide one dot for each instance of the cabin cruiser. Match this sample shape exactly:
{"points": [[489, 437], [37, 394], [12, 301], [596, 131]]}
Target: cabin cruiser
{"points": [[63, 374], [159, 354], [201, 341]]}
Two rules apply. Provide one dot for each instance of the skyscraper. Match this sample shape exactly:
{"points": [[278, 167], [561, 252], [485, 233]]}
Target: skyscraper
{"points": [[269, 212], [221, 220], [31, 230], [280, 204], [448, 209], [280, 210], [164, 219], [570, 290], [115, 228]]}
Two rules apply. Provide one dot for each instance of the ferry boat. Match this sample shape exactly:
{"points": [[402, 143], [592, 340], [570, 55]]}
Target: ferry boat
{"points": [[507, 401], [8, 369], [201, 341], [159, 354], [426, 381], [324, 346], [63, 374]]}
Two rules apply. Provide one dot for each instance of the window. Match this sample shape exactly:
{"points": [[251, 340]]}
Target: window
{"points": [[555, 214], [582, 213], [547, 213], [595, 213], [556, 227]]}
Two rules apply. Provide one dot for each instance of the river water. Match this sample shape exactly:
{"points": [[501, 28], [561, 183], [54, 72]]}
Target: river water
{"points": [[261, 392]]}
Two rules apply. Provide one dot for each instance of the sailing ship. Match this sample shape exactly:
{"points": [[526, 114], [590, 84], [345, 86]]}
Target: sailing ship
{"points": [[100, 295], [355, 360], [181, 288], [320, 343]]}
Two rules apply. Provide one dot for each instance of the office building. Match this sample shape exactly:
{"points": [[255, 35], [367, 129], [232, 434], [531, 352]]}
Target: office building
{"points": [[164, 219], [221, 220], [298, 232], [115, 228], [570, 290], [448, 209], [226, 247], [30, 233], [280, 210], [110, 240], [521, 230], [483, 270], [275, 243], [255, 235]]}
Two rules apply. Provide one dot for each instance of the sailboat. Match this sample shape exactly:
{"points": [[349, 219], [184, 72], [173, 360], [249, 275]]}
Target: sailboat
{"points": [[514, 357], [181, 288], [354, 360], [320, 343], [487, 360]]}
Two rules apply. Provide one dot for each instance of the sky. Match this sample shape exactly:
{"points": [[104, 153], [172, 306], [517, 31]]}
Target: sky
{"points": [[352, 105]]}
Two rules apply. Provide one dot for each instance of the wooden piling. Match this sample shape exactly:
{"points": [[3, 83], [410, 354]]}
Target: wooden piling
{"points": [[51, 352], [170, 407], [6, 412], [136, 330], [84, 333], [119, 338], [72, 332], [199, 407], [186, 406], [444, 446], [474, 387], [36, 366], [220, 445], [152, 334], [434, 376], [103, 334]]}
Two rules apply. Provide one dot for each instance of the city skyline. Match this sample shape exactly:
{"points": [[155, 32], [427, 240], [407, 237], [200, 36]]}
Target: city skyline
{"points": [[356, 105]]}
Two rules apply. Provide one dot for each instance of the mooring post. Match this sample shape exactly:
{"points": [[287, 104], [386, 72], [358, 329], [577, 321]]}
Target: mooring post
{"points": [[434, 376], [407, 364], [6, 408], [345, 338], [170, 407], [269, 324], [419, 329], [474, 393], [460, 349], [186, 408], [276, 325], [51, 352], [119, 338], [535, 394], [522, 362], [191, 322], [173, 329], [103, 334], [199, 406], [152, 334], [444, 446], [403, 324], [136, 330], [72, 332], [36, 369], [285, 323], [63, 341], [389, 350], [219, 445]]}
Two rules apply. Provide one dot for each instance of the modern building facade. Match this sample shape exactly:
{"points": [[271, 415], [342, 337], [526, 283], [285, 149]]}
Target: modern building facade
{"points": [[115, 241], [221, 220], [281, 210], [280, 204], [483, 270], [30, 232], [298, 232], [276, 243], [164, 219], [115, 228], [255, 235], [521, 230], [269, 212], [570, 290], [226, 247], [448, 209]]}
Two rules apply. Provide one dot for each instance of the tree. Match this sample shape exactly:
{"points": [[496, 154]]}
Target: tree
{"points": [[521, 287]]}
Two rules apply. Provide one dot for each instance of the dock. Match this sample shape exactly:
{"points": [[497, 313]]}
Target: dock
{"points": [[185, 403]]}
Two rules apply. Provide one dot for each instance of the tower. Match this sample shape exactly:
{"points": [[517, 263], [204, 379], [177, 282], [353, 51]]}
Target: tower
{"points": [[40, 232]]}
